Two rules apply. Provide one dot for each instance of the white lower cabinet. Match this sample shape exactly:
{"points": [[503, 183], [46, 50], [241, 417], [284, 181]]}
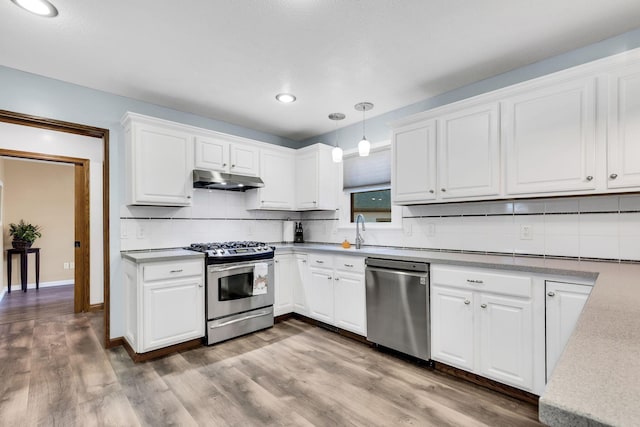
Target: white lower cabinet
{"points": [[484, 321], [301, 285], [164, 303], [285, 277], [321, 294], [564, 305]]}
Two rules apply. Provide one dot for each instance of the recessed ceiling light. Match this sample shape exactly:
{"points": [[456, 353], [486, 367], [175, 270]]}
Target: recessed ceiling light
{"points": [[286, 98], [38, 7]]}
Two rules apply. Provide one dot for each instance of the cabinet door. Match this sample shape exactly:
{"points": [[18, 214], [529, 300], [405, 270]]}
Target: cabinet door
{"points": [[506, 339], [211, 154], [162, 165], [284, 278], [278, 173], [549, 136], [564, 305], [173, 312], [413, 173], [624, 129], [301, 285], [452, 337], [350, 302], [321, 295], [244, 159], [469, 153], [307, 194]]}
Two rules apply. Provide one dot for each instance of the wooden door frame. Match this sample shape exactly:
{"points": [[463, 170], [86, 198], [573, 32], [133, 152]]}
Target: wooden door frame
{"points": [[81, 178]]}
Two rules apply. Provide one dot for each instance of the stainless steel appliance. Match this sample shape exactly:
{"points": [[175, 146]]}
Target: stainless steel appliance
{"points": [[214, 180], [239, 288], [398, 305]]}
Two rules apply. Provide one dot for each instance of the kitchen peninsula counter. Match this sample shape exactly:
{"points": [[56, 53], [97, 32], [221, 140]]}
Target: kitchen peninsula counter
{"points": [[597, 379]]}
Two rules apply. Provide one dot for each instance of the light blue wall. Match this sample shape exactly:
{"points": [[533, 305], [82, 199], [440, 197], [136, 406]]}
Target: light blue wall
{"points": [[378, 129]]}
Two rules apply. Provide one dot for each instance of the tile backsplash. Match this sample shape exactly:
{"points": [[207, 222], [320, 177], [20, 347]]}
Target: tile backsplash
{"points": [[606, 227]]}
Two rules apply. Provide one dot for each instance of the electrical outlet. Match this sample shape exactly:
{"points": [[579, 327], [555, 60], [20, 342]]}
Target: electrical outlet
{"points": [[407, 229], [66, 265], [124, 231], [526, 232], [431, 229], [140, 231], [72, 265]]}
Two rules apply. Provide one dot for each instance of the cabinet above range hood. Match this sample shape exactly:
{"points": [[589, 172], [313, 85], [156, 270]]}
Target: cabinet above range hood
{"points": [[214, 180]]}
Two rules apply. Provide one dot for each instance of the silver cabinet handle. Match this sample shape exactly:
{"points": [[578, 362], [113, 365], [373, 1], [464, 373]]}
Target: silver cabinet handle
{"points": [[349, 265], [277, 261], [431, 191], [201, 285], [475, 281], [613, 176], [304, 260], [176, 271], [483, 305], [188, 197], [224, 164], [589, 178], [319, 262], [467, 302], [233, 166], [337, 278], [551, 294], [314, 202], [444, 190], [328, 277]]}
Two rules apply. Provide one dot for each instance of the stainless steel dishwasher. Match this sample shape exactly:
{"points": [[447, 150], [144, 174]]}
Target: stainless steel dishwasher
{"points": [[398, 305]]}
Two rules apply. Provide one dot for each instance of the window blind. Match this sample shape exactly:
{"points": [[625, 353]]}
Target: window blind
{"points": [[369, 171]]}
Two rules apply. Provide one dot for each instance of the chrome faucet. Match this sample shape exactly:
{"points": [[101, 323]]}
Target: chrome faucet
{"points": [[359, 239]]}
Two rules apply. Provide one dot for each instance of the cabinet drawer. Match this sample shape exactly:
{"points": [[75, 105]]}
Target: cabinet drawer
{"points": [[320, 260], [349, 263], [171, 270], [482, 280]]}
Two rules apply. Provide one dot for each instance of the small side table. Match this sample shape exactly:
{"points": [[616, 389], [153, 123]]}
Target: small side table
{"points": [[23, 266]]}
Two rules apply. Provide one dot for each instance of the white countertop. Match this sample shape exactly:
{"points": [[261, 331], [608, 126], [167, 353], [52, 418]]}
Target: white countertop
{"points": [[160, 255], [597, 379]]}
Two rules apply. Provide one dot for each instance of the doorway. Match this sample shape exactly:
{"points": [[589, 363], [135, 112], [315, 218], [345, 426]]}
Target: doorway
{"points": [[81, 180], [54, 190]]}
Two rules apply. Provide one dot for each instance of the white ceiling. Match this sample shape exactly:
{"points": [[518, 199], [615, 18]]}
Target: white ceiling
{"points": [[228, 59]]}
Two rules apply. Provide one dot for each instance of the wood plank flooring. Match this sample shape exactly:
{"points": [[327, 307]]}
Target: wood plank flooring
{"points": [[35, 304], [54, 372]]}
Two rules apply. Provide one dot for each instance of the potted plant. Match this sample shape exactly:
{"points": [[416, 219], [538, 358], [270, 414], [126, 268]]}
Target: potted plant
{"points": [[24, 234]]}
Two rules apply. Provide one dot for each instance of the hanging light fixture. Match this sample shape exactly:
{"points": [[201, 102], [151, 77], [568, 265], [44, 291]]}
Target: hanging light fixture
{"points": [[363, 146], [336, 153]]}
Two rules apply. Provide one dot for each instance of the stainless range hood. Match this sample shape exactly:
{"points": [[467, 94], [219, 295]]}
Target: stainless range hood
{"points": [[225, 181]]}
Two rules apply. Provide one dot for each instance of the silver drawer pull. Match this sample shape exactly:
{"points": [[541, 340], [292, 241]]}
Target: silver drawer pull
{"points": [[348, 265], [551, 294], [483, 305], [319, 262], [474, 281], [329, 277], [176, 271], [467, 302]]}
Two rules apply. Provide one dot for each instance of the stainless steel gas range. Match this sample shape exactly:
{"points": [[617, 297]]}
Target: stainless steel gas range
{"points": [[239, 288]]}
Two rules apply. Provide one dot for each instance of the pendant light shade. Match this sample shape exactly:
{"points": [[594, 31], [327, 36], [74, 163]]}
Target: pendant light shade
{"points": [[336, 153], [364, 146]]}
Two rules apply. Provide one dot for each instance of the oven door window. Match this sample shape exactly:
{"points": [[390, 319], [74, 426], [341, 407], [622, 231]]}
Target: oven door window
{"points": [[236, 286]]}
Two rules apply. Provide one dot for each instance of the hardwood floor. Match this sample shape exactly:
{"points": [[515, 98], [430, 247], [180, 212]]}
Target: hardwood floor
{"points": [[45, 302], [55, 372]]}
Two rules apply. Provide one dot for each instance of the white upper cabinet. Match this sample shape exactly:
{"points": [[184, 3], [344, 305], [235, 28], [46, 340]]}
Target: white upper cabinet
{"points": [[277, 170], [212, 154], [316, 179], [624, 128], [414, 163], [159, 162], [225, 155], [469, 153], [550, 138]]}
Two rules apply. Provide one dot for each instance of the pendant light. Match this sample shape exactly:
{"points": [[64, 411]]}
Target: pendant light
{"points": [[336, 153], [363, 146]]}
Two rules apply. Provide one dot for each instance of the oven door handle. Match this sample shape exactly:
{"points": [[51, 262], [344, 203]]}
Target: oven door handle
{"points": [[242, 319], [233, 267]]}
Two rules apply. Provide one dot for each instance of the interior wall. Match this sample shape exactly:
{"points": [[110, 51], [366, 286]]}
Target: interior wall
{"points": [[2, 264], [42, 193]]}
